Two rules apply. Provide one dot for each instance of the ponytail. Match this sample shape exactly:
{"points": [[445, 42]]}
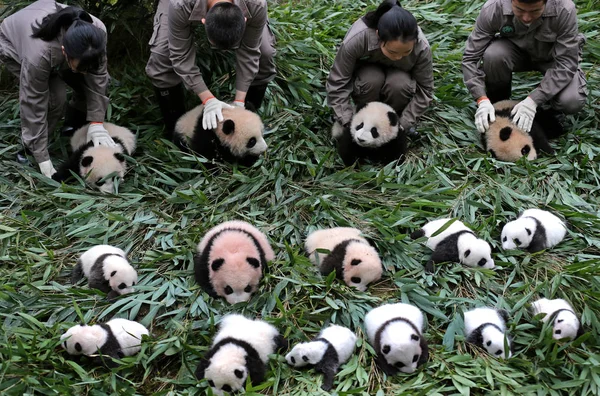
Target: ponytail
{"points": [[392, 22], [82, 40]]}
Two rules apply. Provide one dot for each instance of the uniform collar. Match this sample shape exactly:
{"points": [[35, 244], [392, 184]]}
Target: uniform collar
{"points": [[549, 9], [199, 11]]}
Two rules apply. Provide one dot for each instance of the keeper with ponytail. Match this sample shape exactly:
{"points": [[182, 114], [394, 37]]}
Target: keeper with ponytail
{"points": [[384, 57], [48, 46]]}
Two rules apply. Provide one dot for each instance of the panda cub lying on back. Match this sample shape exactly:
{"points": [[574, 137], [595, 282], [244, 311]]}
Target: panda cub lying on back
{"points": [[374, 134], [238, 138], [505, 141], [94, 163]]}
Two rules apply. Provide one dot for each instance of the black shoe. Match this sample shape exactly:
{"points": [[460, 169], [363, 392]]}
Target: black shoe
{"points": [[172, 106], [255, 96], [22, 158], [74, 119], [412, 133], [496, 93]]}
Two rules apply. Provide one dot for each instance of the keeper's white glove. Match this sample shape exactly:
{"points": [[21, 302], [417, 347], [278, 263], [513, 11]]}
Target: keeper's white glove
{"points": [[213, 113], [484, 115], [99, 136], [239, 103], [47, 168], [523, 114]]}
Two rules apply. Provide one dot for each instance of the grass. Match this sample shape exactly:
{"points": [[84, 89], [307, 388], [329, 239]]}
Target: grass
{"points": [[168, 201]]}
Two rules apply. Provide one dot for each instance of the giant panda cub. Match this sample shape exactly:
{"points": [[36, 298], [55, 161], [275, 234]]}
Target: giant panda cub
{"points": [[352, 258], [486, 328], [565, 323], [238, 138], [116, 338], [95, 163], [231, 259], [533, 231], [333, 347], [107, 269], [457, 243], [374, 134], [396, 333], [505, 141], [240, 350]]}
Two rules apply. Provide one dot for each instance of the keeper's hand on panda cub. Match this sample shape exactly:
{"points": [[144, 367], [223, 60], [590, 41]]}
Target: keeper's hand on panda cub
{"points": [[99, 135], [523, 114], [213, 112], [484, 115]]}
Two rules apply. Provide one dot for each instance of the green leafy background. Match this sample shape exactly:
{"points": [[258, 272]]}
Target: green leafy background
{"points": [[169, 200]]}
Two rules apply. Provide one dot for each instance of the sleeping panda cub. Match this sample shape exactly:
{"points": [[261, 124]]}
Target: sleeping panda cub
{"points": [[533, 231], [333, 347], [396, 333], [94, 164], [231, 259], [457, 243], [238, 138], [240, 350], [505, 141], [565, 323], [374, 134], [486, 328], [116, 338], [107, 269], [350, 255]]}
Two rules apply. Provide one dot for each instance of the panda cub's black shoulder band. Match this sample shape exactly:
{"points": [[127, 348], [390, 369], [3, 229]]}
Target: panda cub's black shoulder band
{"points": [[335, 259], [111, 347], [538, 239], [555, 314]]}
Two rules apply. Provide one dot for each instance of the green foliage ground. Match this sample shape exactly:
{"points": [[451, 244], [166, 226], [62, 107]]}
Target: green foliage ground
{"points": [[169, 201]]}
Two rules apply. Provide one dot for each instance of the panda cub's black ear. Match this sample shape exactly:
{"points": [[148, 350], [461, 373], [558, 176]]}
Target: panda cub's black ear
{"points": [[359, 107], [87, 161], [228, 127], [393, 118], [120, 157], [505, 133]]}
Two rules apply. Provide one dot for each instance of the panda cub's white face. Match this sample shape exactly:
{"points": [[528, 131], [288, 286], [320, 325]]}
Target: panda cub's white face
{"points": [[306, 353], [374, 125], [566, 325], [517, 234]]}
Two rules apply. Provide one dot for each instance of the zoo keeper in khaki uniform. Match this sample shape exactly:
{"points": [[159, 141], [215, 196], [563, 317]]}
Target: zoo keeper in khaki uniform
{"points": [[524, 35], [239, 25], [48, 46], [384, 57]]}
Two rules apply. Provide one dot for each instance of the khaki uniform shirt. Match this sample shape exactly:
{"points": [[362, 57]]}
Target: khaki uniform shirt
{"points": [[552, 38], [361, 44], [183, 14], [39, 60]]}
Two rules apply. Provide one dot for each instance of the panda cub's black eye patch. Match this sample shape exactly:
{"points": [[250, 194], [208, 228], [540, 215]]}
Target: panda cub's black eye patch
{"points": [[399, 364], [293, 359], [355, 279], [517, 241], [359, 126], [374, 133], [482, 262], [228, 290], [78, 347], [251, 143], [414, 337], [386, 349], [488, 343], [100, 183], [499, 352], [248, 289], [415, 358], [305, 358], [504, 239], [226, 388], [356, 262], [525, 150], [558, 332], [238, 373], [122, 286]]}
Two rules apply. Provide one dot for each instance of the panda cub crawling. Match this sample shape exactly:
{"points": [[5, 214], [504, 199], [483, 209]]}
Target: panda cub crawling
{"points": [[107, 269], [565, 323], [240, 350], [333, 347], [486, 328], [457, 243], [533, 231], [116, 338], [350, 255], [374, 134], [238, 138], [505, 141], [396, 333], [231, 259], [95, 163]]}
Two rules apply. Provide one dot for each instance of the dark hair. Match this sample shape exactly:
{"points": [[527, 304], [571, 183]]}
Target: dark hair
{"points": [[392, 22], [225, 25], [82, 40]]}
